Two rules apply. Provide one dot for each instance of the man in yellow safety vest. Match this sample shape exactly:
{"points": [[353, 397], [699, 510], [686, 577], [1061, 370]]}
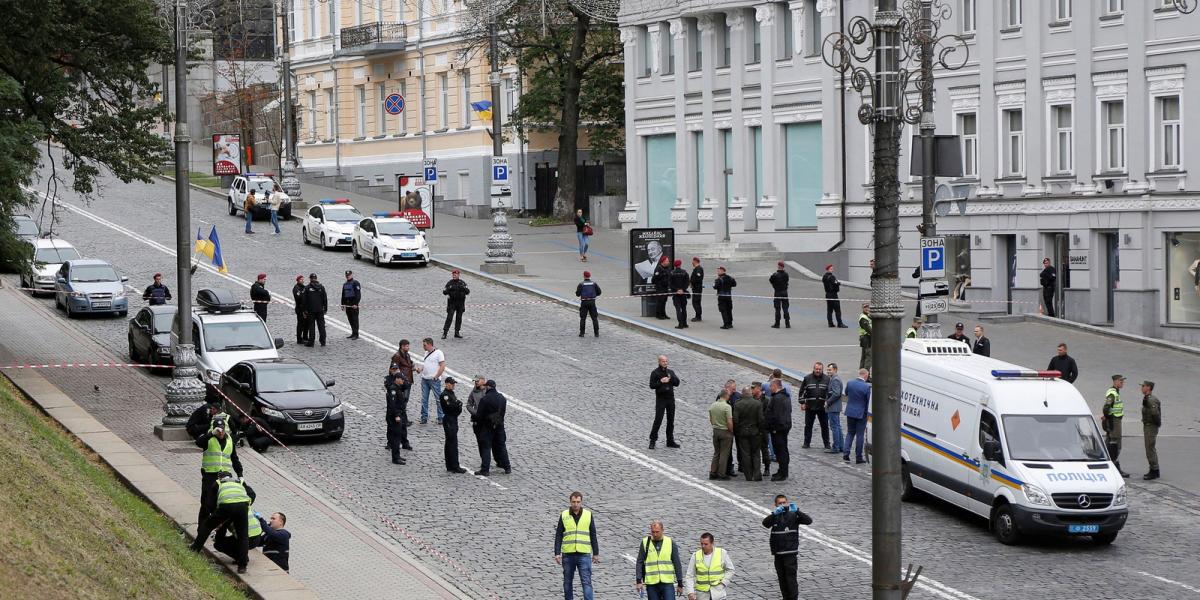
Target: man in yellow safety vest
{"points": [[233, 511], [709, 572], [220, 456], [575, 547], [658, 565]]}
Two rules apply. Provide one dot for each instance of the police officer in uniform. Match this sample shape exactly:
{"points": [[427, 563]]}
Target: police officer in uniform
{"points": [[779, 284], [316, 303], [697, 288], [232, 507], [587, 291], [456, 292], [724, 285], [1111, 416], [1151, 421], [662, 281], [157, 293], [398, 383], [260, 296], [451, 408], [200, 421], [679, 281], [301, 318], [220, 456], [915, 330], [351, 298], [864, 337]]}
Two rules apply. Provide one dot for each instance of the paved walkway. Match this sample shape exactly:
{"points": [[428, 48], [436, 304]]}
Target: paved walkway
{"points": [[333, 553]]}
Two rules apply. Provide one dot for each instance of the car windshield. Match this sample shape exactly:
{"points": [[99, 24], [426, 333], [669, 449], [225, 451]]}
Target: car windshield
{"points": [[262, 187], [93, 273], [396, 228], [26, 227], [241, 335], [297, 378], [342, 215], [56, 255], [163, 322], [1053, 438]]}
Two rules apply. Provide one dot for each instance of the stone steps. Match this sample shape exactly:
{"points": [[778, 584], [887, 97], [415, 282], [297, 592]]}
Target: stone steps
{"points": [[730, 251]]}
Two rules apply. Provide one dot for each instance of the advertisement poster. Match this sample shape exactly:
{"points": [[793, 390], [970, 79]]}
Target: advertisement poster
{"points": [[646, 248], [416, 201], [1183, 277], [227, 154]]}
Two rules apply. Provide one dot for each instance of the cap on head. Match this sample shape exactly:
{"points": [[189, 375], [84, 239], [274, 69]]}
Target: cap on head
{"points": [[1148, 383], [587, 274], [828, 267], [678, 263], [1118, 377], [959, 326], [779, 264], [157, 275], [299, 278], [349, 272], [491, 383], [262, 275], [450, 381], [312, 275], [454, 272], [696, 259]]}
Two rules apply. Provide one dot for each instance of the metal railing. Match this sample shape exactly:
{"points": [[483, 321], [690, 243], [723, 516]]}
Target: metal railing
{"points": [[373, 33]]}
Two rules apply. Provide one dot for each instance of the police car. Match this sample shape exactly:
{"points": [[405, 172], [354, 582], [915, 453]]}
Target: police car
{"points": [[389, 238], [262, 184], [330, 223]]}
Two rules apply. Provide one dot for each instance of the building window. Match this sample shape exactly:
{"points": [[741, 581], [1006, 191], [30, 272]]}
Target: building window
{"points": [[698, 145], [1170, 130], [968, 135], [1013, 121], [403, 117], [787, 39], [802, 162], [465, 109], [358, 12], [727, 156], [1183, 277], [312, 19], [1012, 14], [360, 93], [379, 11], [1114, 7], [668, 50], [726, 44], [1112, 114], [756, 137], [813, 25], [380, 95], [695, 50], [312, 116], [645, 56], [1062, 145], [969, 13], [291, 24], [1062, 10], [330, 109], [755, 40], [331, 18], [443, 101]]}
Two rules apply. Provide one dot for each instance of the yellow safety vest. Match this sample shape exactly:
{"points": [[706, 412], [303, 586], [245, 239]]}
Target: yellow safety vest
{"points": [[577, 538], [1117, 410], [911, 333], [232, 492], [861, 330], [659, 568], [711, 574], [216, 457], [253, 526]]}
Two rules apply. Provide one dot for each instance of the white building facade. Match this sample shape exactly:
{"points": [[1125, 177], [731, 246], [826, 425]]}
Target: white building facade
{"points": [[1073, 117]]}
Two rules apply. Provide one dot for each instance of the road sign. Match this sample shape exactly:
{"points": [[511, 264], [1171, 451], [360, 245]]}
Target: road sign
{"points": [[935, 305], [930, 288], [394, 104], [933, 257], [430, 170], [499, 170]]}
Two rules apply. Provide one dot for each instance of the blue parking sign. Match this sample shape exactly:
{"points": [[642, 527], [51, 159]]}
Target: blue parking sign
{"points": [[430, 174], [933, 257]]}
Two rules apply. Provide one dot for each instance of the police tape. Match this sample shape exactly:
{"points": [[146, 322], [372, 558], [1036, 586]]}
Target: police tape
{"points": [[84, 365]]}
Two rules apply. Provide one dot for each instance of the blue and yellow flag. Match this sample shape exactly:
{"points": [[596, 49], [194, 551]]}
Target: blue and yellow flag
{"points": [[211, 248], [483, 108]]}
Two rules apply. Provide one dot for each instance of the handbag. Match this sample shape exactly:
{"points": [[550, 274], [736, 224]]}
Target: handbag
{"points": [[587, 230]]}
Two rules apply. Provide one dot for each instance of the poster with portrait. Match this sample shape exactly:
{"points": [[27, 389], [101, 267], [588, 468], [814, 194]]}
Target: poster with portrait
{"points": [[1183, 277], [227, 154], [416, 201], [646, 248]]}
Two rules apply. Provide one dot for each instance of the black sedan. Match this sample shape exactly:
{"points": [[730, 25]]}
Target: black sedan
{"points": [[150, 335], [286, 396]]}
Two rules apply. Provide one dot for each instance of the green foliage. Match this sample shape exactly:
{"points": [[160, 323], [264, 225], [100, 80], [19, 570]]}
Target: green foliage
{"points": [[73, 73]]}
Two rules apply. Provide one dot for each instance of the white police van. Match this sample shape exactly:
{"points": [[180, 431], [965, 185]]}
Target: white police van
{"points": [[1016, 446]]}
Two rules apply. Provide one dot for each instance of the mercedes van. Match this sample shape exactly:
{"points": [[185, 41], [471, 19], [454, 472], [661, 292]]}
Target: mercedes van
{"points": [[1016, 446]]}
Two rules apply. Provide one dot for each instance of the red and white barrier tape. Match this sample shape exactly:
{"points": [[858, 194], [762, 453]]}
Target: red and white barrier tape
{"points": [[84, 365]]}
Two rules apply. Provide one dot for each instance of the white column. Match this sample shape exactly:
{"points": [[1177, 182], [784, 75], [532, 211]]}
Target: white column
{"points": [[655, 35], [686, 179], [743, 169], [714, 177], [831, 142], [772, 141], [635, 158]]}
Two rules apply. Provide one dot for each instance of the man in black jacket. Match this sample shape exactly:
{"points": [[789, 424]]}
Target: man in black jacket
{"points": [[587, 291], [779, 424], [277, 541], [1049, 280], [208, 477], [351, 298], [784, 523], [259, 296], [697, 281], [201, 419], [488, 422], [833, 306], [456, 292], [397, 385], [663, 381], [451, 408], [814, 389], [1063, 363], [156, 293], [779, 283], [679, 282], [316, 303], [982, 345], [662, 281], [301, 316], [724, 285]]}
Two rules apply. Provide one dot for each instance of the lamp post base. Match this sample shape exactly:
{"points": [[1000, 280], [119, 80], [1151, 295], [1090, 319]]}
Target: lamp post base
{"points": [[500, 255], [171, 434], [502, 268]]}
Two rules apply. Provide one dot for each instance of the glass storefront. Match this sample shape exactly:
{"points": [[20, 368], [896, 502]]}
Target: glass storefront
{"points": [[958, 267], [1183, 277]]}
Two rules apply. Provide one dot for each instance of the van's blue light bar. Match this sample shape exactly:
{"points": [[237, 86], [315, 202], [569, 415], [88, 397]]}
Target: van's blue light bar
{"points": [[1023, 374]]}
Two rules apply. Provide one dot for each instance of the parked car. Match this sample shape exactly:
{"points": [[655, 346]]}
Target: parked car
{"points": [[388, 238], [262, 184], [49, 254], [330, 223], [26, 228], [150, 335], [225, 333], [88, 285], [286, 396]]}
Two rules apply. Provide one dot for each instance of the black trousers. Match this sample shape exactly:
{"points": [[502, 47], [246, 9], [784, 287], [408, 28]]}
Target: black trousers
{"points": [[785, 570], [261, 309], [1048, 301], [783, 304], [816, 414], [301, 328], [228, 544], [208, 495], [397, 431], [232, 516], [587, 308], [748, 456], [660, 307], [483, 437], [680, 301], [833, 308], [662, 407], [450, 427], [725, 306], [779, 440], [454, 313], [352, 317], [500, 447], [316, 325], [696, 303]]}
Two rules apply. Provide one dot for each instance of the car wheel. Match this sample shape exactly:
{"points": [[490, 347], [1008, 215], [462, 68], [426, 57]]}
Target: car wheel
{"points": [[424, 263], [232, 208], [323, 246], [375, 256], [1104, 539], [1004, 525], [57, 306], [354, 250], [304, 236], [67, 307], [133, 353], [123, 313]]}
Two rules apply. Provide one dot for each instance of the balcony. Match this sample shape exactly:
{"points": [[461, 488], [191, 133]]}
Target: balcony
{"points": [[373, 38]]}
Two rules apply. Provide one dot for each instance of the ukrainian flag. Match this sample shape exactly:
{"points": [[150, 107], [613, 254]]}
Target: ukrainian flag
{"points": [[483, 108], [211, 248]]}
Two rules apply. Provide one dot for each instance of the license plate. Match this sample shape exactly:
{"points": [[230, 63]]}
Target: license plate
{"points": [[100, 305], [1083, 529], [307, 426], [408, 255]]}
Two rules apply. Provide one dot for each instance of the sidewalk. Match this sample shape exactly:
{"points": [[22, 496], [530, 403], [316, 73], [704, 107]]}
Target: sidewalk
{"points": [[333, 552]]}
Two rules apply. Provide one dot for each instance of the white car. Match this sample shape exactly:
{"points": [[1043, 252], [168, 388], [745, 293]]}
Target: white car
{"points": [[49, 254], [330, 223], [262, 184], [225, 333], [388, 238]]}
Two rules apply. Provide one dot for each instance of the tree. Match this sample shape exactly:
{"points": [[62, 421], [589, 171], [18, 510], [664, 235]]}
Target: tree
{"points": [[74, 73], [573, 80]]}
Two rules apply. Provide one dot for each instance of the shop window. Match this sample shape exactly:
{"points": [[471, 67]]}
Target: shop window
{"points": [[1183, 277]]}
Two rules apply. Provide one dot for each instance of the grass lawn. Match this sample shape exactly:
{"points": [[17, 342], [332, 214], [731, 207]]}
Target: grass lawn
{"points": [[70, 529], [200, 179]]}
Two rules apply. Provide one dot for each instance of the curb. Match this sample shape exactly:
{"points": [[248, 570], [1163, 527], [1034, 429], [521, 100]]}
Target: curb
{"points": [[1129, 337], [263, 580]]}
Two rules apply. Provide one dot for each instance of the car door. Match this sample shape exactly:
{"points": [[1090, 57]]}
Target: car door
{"points": [[231, 385], [367, 229], [61, 289], [313, 223], [982, 481], [142, 332]]}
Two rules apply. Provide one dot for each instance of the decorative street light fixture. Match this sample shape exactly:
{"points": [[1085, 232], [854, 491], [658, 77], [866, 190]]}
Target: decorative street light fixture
{"points": [[1186, 7]]}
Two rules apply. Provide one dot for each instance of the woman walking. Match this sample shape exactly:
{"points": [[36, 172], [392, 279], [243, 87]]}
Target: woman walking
{"points": [[583, 229]]}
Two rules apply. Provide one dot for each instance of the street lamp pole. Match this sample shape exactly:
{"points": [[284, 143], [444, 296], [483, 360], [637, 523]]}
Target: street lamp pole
{"points": [[500, 256], [288, 181], [928, 222]]}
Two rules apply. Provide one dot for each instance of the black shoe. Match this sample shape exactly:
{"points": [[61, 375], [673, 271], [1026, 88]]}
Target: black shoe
{"points": [[397, 460], [846, 457], [439, 421], [695, 319], [723, 478], [580, 334], [766, 471], [508, 471], [597, 334], [322, 344], [775, 326], [424, 421], [842, 326], [387, 446], [242, 569], [777, 477], [351, 336], [456, 334], [832, 325], [1124, 474], [787, 325], [458, 470], [1153, 474], [805, 446], [443, 336], [309, 344], [712, 476], [673, 445], [859, 461], [826, 446], [406, 447], [727, 327], [651, 444], [482, 473]]}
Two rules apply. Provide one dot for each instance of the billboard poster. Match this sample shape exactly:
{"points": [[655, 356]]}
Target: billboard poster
{"points": [[227, 154], [416, 201], [646, 248]]}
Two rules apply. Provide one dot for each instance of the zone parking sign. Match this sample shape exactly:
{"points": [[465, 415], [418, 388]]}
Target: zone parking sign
{"points": [[933, 258]]}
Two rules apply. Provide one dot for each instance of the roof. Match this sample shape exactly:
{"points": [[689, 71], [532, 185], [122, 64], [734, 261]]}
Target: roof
{"points": [[162, 309], [274, 363], [88, 261], [51, 243], [239, 316]]}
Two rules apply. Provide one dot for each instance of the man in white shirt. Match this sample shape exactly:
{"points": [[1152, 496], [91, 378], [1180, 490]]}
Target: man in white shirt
{"points": [[431, 368], [708, 573], [274, 202]]}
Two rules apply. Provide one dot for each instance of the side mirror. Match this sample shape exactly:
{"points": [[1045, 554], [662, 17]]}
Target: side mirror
{"points": [[60, 280], [329, 383], [278, 343], [991, 451], [124, 278]]}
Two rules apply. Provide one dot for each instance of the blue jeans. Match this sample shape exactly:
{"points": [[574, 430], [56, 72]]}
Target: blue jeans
{"points": [[856, 433], [426, 386], [249, 219], [660, 591], [835, 430], [582, 562], [275, 220], [583, 242], [770, 449]]}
